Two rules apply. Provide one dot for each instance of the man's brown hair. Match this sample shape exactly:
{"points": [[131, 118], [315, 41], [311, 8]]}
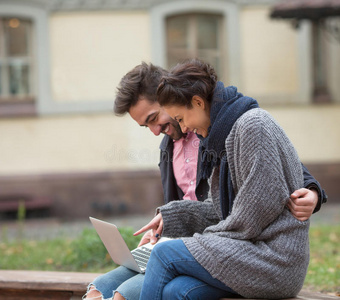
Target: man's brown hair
{"points": [[141, 81]]}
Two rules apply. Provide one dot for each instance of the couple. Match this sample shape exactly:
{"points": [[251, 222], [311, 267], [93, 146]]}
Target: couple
{"points": [[242, 239]]}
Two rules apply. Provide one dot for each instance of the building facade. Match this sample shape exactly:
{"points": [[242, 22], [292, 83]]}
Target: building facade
{"points": [[60, 64]]}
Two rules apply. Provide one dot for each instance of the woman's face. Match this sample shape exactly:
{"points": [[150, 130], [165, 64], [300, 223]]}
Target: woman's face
{"points": [[196, 118]]}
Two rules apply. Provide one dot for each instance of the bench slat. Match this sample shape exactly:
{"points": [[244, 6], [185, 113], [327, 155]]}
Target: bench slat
{"points": [[34, 295], [45, 280]]}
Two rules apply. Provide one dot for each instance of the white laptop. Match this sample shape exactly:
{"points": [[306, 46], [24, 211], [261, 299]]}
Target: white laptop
{"points": [[136, 259]]}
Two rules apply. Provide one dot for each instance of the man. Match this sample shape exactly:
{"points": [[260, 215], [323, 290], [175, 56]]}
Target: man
{"points": [[178, 162]]}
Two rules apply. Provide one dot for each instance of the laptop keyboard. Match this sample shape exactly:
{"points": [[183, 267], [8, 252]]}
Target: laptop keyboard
{"points": [[141, 256]]}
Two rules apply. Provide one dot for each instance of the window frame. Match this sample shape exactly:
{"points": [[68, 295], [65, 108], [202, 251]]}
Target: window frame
{"points": [[30, 106], [193, 35], [7, 60], [231, 31]]}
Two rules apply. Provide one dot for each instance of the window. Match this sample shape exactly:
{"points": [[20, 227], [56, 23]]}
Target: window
{"points": [[16, 66], [195, 35], [212, 33]]}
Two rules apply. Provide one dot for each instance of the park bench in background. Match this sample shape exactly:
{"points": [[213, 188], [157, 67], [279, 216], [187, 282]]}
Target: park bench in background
{"points": [[45, 285], [11, 203]]}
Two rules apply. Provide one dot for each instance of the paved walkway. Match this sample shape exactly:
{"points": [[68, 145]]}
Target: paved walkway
{"points": [[39, 229], [51, 228]]}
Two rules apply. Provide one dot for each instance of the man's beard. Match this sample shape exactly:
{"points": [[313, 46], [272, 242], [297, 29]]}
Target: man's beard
{"points": [[177, 133]]}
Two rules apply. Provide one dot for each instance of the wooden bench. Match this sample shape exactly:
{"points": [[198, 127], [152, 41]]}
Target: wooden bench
{"points": [[29, 285], [43, 285]]}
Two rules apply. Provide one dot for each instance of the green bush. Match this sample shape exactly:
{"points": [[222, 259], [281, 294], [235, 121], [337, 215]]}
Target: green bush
{"points": [[88, 253], [85, 251]]}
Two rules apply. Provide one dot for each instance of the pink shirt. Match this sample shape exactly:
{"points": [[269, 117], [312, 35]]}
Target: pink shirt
{"points": [[185, 164]]}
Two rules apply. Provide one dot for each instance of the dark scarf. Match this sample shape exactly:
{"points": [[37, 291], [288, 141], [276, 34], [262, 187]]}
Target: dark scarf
{"points": [[226, 107]]}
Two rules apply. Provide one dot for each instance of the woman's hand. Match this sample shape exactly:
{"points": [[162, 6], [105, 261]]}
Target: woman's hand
{"points": [[302, 203], [146, 238], [155, 226]]}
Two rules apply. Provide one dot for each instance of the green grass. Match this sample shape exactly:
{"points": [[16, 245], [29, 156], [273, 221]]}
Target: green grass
{"points": [[83, 254], [87, 254], [324, 266]]}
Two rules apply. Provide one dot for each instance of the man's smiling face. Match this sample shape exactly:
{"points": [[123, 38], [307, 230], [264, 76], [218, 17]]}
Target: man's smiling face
{"points": [[153, 116]]}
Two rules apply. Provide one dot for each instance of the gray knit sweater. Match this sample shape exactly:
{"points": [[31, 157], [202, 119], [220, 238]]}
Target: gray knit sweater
{"points": [[260, 250]]}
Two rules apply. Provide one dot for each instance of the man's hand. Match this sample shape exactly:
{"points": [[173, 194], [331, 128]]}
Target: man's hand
{"points": [[302, 203], [156, 226]]}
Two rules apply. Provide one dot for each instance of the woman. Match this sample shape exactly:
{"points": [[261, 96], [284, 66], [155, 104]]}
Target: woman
{"points": [[242, 240]]}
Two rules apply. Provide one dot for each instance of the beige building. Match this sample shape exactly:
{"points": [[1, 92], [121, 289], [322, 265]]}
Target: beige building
{"points": [[60, 63]]}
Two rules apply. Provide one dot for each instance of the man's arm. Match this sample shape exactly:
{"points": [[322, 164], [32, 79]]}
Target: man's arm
{"points": [[302, 203], [308, 200], [312, 184]]}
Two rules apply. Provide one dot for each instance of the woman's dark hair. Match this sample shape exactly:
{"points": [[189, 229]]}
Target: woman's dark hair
{"points": [[141, 81], [185, 80]]}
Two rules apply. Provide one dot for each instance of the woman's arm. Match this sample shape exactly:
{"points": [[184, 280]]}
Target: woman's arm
{"points": [[186, 217], [181, 218]]}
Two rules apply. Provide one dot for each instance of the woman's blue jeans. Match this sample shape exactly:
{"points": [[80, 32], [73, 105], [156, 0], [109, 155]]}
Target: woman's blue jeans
{"points": [[125, 281], [173, 273]]}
